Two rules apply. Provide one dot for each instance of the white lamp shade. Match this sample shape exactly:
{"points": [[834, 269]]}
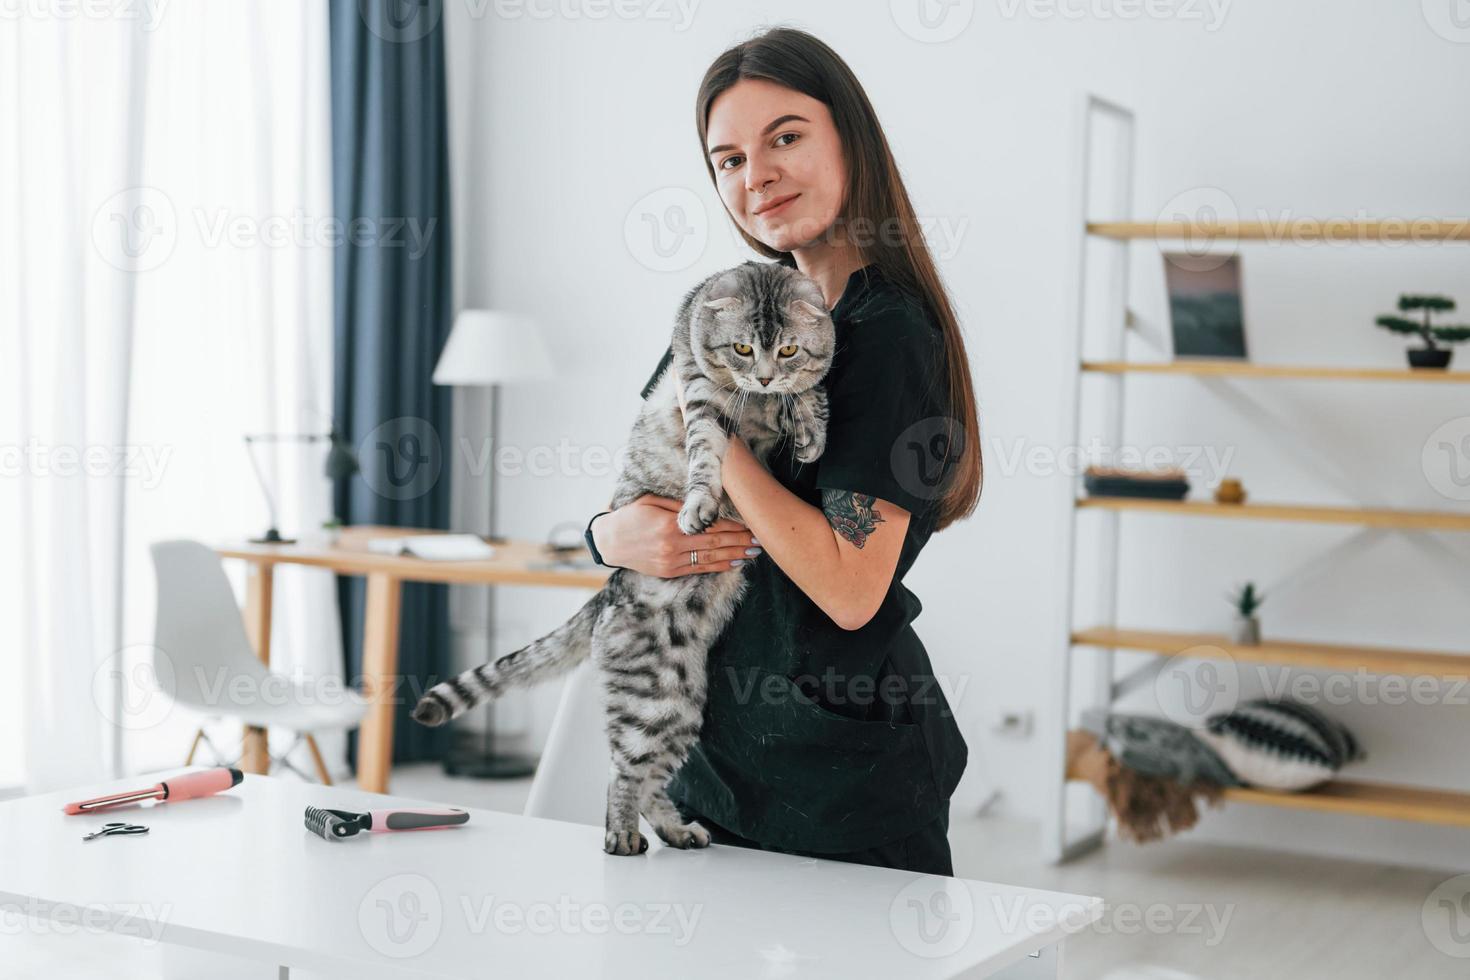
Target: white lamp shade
{"points": [[487, 347]]}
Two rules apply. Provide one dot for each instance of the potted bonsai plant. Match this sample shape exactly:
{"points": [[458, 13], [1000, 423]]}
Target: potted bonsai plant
{"points": [[1246, 630], [1430, 355]]}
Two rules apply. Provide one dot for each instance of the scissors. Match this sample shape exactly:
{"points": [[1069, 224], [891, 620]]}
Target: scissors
{"points": [[117, 829]]}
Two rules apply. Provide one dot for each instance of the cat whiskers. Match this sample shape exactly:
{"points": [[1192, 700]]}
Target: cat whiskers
{"points": [[789, 411], [740, 411], [732, 386], [739, 404]]}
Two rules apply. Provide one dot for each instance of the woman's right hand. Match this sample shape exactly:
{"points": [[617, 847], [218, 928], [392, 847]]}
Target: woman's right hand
{"points": [[645, 536]]}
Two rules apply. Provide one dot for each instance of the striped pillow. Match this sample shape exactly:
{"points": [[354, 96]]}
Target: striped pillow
{"points": [[1281, 745]]}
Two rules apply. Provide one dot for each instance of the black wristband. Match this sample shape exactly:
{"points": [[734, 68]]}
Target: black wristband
{"points": [[592, 545]]}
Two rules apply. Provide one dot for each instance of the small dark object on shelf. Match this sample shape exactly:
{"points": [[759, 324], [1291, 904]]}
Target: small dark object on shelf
{"points": [[1103, 481]]}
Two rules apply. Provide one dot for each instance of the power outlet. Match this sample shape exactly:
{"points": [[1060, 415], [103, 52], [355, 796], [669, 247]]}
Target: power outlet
{"points": [[1012, 723]]}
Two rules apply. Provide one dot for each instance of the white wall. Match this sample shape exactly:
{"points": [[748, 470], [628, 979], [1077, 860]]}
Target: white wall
{"points": [[567, 122]]}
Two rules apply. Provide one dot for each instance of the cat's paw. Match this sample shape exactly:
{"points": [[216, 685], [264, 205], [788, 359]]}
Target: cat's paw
{"points": [[809, 447], [684, 835], [701, 509], [624, 842], [431, 710]]}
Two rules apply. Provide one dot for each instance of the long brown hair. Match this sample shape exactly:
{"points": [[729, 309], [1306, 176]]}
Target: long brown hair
{"points": [[876, 198]]}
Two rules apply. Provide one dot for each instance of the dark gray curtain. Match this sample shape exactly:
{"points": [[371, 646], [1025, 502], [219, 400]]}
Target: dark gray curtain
{"points": [[390, 173]]}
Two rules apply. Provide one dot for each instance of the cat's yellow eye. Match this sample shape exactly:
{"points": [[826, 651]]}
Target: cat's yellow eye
{"points": [[743, 350], [788, 350]]}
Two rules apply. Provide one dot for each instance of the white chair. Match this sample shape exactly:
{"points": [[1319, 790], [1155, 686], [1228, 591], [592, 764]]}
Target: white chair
{"points": [[203, 658], [571, 778]]}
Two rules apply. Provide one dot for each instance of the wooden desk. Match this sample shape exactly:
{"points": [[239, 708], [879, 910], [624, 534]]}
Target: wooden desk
{"points": [[385, 577]]}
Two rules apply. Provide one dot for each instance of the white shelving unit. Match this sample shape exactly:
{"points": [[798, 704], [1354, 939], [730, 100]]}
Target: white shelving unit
{"points": [[1101, 639]]}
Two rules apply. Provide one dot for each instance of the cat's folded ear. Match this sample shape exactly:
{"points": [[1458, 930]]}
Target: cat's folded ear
{"points": [[724, 293], [800, 308], [807, 301]]}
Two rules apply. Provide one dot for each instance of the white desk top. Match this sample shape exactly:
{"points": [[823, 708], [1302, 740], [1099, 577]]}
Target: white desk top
{"points": [[502, 896]]}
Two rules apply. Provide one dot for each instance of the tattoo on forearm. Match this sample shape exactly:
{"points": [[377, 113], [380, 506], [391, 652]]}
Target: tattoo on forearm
{"points": [[851, 515]]}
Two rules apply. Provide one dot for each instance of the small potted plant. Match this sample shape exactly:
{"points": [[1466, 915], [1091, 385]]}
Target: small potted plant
{"points": [[1246, 630], [1430, 355], [331, 530]]}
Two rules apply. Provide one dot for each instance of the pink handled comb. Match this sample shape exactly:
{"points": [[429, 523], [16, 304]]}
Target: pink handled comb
{"points": [[341, 824]]}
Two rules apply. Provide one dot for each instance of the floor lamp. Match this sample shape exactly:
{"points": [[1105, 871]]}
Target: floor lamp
{"points": [[486, 349]]}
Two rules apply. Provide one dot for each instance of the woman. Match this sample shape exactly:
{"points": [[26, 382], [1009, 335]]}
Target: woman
{"points": [[826, 733]]}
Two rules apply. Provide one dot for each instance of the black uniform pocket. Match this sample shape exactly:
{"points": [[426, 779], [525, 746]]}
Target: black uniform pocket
{"points": [[828, 783]]}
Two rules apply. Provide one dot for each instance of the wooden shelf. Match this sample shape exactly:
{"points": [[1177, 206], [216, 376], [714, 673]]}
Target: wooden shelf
{"points": [[1110, 290], [1382, 800], [1245, 369], [1412, 520], [1369, 800], [1299, 230], [1328, 656]]}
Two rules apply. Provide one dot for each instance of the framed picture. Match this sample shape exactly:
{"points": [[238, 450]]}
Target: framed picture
{"points": [[1205, 313]]}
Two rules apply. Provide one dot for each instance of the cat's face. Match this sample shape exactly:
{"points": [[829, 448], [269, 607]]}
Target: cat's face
{"points": [[764, 329]]}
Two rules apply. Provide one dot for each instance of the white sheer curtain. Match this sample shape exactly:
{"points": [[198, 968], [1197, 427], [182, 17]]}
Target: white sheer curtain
{"points": [[173, 264], [68, 94]]}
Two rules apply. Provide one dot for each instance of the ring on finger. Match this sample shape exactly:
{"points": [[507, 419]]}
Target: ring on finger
{"points": [[693, 557]]}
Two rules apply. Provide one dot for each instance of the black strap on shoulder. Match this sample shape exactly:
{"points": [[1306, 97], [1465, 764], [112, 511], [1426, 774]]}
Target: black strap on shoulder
{"points": [[663, 363]]}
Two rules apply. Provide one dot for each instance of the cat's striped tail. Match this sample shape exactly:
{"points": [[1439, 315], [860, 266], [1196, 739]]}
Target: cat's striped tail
{"points": [[556, 652]]}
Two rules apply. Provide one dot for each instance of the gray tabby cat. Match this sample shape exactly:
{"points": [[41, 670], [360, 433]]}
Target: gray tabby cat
{"points": [[751, 346]]}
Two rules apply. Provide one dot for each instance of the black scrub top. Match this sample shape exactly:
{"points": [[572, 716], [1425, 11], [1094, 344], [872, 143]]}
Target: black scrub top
{"points": [[817, 738]]}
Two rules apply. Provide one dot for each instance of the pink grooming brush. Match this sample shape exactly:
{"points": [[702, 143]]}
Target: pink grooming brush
{"points": [[187, 787], [341, 824]]}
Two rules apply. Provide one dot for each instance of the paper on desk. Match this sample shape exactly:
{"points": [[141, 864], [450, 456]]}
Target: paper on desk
{"points": [[435, 547]]}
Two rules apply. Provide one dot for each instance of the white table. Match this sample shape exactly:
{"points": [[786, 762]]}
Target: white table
{"points": [[502, 896]]}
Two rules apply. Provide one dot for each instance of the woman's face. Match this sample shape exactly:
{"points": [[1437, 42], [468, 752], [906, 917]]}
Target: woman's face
{"points": [[778, 162]]}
